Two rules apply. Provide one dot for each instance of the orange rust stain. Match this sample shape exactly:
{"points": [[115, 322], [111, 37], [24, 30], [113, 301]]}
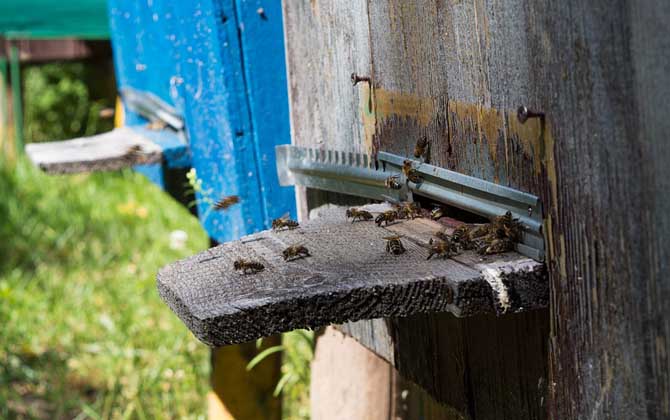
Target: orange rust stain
{"points": [[396, 104]]}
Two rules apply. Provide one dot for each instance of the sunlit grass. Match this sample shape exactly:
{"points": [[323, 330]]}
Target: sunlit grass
{"points": [[83, 333]]}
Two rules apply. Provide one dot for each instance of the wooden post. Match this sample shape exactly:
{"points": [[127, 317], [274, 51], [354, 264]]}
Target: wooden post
{"points": [[240, 394]]}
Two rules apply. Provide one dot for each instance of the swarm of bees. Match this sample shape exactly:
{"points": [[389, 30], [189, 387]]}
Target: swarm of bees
{"points": [[490, 238], [282, 223], [422, 148], [226, 202], [356, 214], [248, 266], [295, 252], [394, 245]]}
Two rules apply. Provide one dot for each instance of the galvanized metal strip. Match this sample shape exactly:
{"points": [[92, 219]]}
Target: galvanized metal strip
{"points": [[352, 173]]}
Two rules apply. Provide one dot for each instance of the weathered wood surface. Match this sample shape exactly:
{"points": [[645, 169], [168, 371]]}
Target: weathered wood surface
{"points": [[373, 389], [483, 367], [456, 71], [103, 152], [349, 276]]}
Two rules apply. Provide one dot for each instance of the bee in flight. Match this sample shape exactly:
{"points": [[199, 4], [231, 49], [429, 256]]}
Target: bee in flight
{"points": [[392, 182], [410, 173], [443, 249], [386, 217], [226, 202], [284, 222], [295, 252], [355, 214], [421, 148], [394, 245], [248, 266]]}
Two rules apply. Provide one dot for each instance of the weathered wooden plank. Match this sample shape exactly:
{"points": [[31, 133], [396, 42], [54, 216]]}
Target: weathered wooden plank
{"points": [[103, 152], [484, 367], [348, 276]]}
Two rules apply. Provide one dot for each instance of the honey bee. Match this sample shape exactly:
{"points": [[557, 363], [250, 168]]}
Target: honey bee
{"points": [[440, 234], [394, 245], [226, 202], [358, 214], [421, 147], [478, 231], [408, 210], [461, 234], [248, 266], [284, 222], [437, 212], [410, 173], [134, 153], [386, 217], [497, 246], [506, 226], [295, 252], [443, 249], [392, 182]]}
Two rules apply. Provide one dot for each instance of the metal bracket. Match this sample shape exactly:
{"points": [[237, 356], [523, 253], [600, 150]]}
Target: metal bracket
{"points": [[357, 174]]}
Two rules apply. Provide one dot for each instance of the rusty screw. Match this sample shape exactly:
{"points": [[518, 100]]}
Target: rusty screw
{"points": [[524, 113], [356, 78]]}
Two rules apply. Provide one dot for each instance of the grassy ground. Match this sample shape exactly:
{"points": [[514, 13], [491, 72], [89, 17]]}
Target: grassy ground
{"points": [[84, 333]]}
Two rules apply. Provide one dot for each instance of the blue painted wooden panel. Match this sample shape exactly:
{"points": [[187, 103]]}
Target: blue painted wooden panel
{"points": [[264, 63], [221, 64]]}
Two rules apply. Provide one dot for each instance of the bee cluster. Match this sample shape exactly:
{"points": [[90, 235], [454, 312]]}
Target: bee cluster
{"points": [[495, 237], [291, 253]]}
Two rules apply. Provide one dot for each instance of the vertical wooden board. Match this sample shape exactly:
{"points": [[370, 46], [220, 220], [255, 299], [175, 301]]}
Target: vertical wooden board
{"points": [[217, 117], [264, 63], [455, 72], [327, 41]]}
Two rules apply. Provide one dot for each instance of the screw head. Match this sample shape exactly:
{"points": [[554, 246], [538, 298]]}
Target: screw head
{"points": [[522, 114]]}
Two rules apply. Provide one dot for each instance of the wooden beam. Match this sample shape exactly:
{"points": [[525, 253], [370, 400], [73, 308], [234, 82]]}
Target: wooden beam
{"points": [[348, 276], [103, 152]]}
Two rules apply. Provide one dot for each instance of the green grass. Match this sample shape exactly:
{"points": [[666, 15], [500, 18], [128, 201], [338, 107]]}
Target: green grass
{"points": [[83, 332]]}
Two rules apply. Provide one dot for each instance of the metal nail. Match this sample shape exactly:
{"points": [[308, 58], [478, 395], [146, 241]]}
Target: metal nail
{"points": [[261, 13], [523, 113], [356, 78]]}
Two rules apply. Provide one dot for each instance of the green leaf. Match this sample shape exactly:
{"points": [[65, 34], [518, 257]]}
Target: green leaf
{"points": [[262, 355]]}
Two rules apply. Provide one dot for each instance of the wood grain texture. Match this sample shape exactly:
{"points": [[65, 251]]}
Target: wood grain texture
{"points": [[348, 276], [102, 152], [456, 71]]}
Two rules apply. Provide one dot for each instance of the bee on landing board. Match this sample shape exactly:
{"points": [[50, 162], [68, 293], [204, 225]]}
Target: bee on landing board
{"points": [[134, 153], [248, 266], [284, 222], [443, 249], [421, 148], [386, 217], [440, 234], [295, 252], [392, 182], [411, 174], [497, 246], [408, 210], [394, 245], [226, 202], [356, 214], [437, 213]]}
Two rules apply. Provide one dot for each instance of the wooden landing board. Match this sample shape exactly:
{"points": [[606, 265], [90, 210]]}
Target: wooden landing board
{"points": [[348, 277], [103, 152]]}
